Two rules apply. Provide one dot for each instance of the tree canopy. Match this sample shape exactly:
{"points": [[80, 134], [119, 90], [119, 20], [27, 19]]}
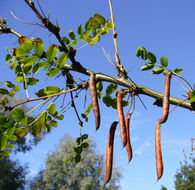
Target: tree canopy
{"points": [[185, 175], [60, 173]]}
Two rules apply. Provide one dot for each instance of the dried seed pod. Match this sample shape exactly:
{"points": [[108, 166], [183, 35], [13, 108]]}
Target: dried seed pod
{"points": [[128, 145], [109, 151], [94, 100], [166, 97], [159, 162], [121, 117]]}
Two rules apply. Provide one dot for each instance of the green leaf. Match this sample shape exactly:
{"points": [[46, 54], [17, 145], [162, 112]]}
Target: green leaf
{"points": [[16, 88], [164, 61], [65, 40], [9, 146], [30, 60], [99, 86], [40, 65], [88, 27], [69, 160], [192, 97], [25, 43], [60, 117], [53, 123], [85, 136], [143, 53], [9, 132], [78, 141], [84, 145], [62, 59], [100, 19], [4, 91], [80, 29], [77, 158], [88, 109], [21, 132], [19, 79], [52, 109], [157, 70], [11, 94], [71, 34], [78, 149], [52, 72], [36, 127], [32, 81], [111, 88], [8, 58], [147, 66], [51, 90], [125, 103], [19, 52], [4, 140], [85, 37], [13, 138], [6, 154], [4, 101], [6, 122], [75, 42], [177, 71], [38, 47], [9, 84], [96, 39], [17, 113], [24, 121], [52, 52], [151, 57], [114, 103], [138, 52], [27, 69], [107, 100]]}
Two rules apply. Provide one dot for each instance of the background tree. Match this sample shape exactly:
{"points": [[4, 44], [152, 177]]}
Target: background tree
{"points": [[87, 174], [185, 176], [12, 175]]}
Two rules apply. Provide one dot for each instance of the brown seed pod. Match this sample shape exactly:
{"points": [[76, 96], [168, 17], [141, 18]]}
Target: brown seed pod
{"points": [[166, 97], [94, 100], [121, 117], [159, 162], [128, 145], [109, 151]]}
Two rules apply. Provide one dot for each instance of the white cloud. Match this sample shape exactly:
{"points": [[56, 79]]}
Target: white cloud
{"points": [[142, 148]]}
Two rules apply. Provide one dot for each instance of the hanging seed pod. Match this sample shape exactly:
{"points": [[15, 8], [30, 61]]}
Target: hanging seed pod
{"points": [[128, 145], [159, 162], [94, 100], [109, 151], [166, 97], [121, 117]]}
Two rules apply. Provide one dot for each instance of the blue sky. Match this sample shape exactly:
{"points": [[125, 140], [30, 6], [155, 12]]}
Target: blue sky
{"points": [[165, 28]]}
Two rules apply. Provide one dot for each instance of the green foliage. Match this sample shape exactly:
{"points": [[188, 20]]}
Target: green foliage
{"points": [[38, 47], [12, 175], [110, 101], [87, 174], [185, 176], [52, 52], [152, 61], [192, 97]]}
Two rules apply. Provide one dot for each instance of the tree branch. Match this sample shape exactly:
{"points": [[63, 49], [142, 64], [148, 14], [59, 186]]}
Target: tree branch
{"points": [[123, 82]]}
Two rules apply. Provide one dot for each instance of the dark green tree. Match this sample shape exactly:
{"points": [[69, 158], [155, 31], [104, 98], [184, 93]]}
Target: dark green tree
{"points": [[88, 174], [185, 176], [12, 175]]}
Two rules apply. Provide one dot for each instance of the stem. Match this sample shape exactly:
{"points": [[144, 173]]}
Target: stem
{"points": [[42, 97]]}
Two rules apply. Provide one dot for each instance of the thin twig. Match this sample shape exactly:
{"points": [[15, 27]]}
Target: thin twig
{"points": [[42, 97], [115, 36], [75, 109]]}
